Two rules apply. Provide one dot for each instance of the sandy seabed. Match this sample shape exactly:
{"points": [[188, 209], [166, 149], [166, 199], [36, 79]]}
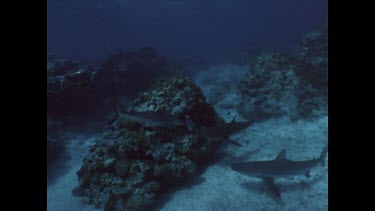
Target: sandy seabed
{"points": [[224, 189], [220, 188]]}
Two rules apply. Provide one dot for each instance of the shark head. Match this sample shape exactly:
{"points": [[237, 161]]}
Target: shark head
{"points": [[224, 130]]}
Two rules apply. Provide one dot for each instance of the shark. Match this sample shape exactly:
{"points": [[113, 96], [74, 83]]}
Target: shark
{"points": [[149, 118], [278, 167], [158, 118], [224, 130], [167, 118]]}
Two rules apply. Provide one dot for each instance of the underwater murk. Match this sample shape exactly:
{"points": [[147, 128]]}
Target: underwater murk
{"points": [[187, 105]]}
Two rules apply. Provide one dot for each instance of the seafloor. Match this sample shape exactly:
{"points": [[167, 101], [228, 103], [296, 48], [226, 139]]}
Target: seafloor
{"points": [[219, 187]]}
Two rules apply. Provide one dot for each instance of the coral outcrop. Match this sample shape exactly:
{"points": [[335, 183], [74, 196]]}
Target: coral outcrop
{"points": [[134, 163], [179, 96], [63, 74], [69, 85], [293, 84], [76, 89], [314, 48]]}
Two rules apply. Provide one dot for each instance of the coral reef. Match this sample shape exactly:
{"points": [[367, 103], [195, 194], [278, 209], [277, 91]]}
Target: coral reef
{"points": [[63, 74], [314, 48], [69, 86], [134, 162], [292, 84], [77, 89], [180, 96]]}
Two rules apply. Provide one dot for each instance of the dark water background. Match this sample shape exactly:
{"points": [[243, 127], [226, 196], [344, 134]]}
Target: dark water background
{"points": [[88, 30]]}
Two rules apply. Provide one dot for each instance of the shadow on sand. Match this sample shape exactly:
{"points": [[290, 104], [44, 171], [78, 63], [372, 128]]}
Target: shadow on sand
{"points": [[167, 192], [220, 157], [287, 186]]}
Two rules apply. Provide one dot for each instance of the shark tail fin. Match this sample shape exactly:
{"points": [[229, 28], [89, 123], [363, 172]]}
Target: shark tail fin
{"points": [[323, 154]]}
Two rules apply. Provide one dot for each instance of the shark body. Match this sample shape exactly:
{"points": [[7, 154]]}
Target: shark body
{"points": [[153, 119], [166, 119], [149, 118], [224, 130], [279, 167]]}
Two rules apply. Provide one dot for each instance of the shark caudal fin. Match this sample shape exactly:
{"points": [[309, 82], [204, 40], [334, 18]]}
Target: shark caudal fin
{"points": [[323, 154]]}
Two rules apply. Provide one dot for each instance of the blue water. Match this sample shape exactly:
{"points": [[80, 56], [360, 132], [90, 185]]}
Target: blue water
{"points": [[91, 29]]}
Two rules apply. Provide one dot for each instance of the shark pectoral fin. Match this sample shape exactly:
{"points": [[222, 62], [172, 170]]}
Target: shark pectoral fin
{"points": [[307, 174], [270, 185], [281, 155]]}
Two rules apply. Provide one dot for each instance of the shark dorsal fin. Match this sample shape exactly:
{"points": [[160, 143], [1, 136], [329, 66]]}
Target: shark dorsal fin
{"points": [[281, 155]]}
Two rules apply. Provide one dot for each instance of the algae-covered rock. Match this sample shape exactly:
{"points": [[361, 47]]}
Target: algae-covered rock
{"points": [[63, 74], [70, 87], [293, 84], [180, 96], [314, 48], [128, 169]]}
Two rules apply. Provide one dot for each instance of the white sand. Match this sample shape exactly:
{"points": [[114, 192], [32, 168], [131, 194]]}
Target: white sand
{"points": [[59, 191], [224, 189]]}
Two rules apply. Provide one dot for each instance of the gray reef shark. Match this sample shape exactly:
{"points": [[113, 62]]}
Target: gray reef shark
{"points": [[224, 130], [166, 118], [158, 118], [279, 167], [149, 118]]}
